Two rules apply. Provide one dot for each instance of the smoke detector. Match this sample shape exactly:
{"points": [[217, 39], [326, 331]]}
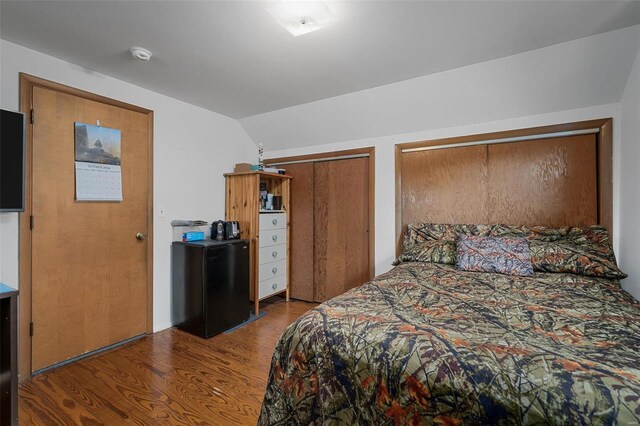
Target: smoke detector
{"points": [[141, 53]]}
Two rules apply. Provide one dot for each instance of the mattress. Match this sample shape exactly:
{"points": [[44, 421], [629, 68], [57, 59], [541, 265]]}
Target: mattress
{"points": [[425, 343]]}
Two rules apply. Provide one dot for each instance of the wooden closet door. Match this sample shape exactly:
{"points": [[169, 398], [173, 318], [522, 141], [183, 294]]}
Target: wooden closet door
{"points": [[301, 229], [341, 221], [544, 182], [445, 185]]}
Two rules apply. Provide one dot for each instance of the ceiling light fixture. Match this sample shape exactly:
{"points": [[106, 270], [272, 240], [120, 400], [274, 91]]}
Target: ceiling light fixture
{"points": [[141, 53], [301, 17]]}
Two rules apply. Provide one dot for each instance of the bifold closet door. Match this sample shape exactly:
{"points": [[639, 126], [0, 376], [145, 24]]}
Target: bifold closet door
{"points": [[341, 221], [301, 229]]}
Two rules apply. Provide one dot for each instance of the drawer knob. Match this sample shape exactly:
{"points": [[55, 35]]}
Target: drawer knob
{"points": [[274, 221], [274, 238], [274, 253], [274, 286], [274, 270]]}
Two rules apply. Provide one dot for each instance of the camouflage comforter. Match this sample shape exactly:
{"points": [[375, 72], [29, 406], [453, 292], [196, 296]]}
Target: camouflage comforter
{"points": [[426, 344]]}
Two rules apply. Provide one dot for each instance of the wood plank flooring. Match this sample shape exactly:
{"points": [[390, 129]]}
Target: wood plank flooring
{"points": [[168, 378]]}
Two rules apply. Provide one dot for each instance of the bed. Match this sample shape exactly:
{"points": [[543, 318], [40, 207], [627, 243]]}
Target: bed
{"points": [[427, 343], [554, 340]]}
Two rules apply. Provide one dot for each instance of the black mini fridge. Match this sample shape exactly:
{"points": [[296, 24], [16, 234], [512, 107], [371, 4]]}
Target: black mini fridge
{"points": [[210, 285]]}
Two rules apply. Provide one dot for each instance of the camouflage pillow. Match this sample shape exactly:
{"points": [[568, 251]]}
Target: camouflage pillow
{"points": [[507, 255], [575, 250], [434, 242], [433, 251], [442, 231], [566, 256]]}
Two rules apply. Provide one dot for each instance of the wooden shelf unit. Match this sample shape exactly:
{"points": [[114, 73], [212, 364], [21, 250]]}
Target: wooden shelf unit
{"points": [[243, 205]]}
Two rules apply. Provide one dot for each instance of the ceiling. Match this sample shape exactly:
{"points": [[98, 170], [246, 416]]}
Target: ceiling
{"points": [[233, 58]]}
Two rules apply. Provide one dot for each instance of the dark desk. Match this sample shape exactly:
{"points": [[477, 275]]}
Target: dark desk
{"points": [[8, 355]]}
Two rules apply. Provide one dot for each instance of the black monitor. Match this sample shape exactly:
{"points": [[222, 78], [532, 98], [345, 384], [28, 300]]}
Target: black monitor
{"points": [[12, 161]]}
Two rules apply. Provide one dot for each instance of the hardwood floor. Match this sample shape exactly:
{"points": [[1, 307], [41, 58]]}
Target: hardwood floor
{"points": [[170, 377]]}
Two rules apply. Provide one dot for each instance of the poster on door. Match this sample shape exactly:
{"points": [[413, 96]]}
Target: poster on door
{"points": [[98, 164]]}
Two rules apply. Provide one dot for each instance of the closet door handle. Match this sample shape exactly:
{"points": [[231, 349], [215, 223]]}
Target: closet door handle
{"points": [[274, 286], [274, 270], [274, 254], [274, 221], [274, 238]]}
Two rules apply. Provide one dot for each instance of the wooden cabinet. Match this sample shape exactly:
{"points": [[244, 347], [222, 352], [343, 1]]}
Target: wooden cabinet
{"points": [[267, 230]]}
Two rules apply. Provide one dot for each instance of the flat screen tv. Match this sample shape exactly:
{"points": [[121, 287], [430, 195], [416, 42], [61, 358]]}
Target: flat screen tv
{"points": [[12, 161]]}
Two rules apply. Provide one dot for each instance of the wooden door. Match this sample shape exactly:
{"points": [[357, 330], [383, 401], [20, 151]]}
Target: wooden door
{"points": [[445, 185], [544, 182], [89, 272], [539, 182], [301, 228], [341, 226]]}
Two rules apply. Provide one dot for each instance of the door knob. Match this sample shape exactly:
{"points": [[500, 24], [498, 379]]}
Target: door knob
{"points": [[140, 236]]}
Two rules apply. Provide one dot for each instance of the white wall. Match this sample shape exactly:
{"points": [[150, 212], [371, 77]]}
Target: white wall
{"points": [[578, 80], [629, 253], [193, 147], [577, 74], [385, 166]]}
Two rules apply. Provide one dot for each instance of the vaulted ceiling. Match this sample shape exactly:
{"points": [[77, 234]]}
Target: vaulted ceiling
{"points": [[233, 58]]}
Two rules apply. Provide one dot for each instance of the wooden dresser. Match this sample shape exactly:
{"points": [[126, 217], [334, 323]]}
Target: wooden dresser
{"points": [[267, 230]]}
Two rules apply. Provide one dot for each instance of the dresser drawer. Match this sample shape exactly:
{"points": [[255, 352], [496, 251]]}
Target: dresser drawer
{"points": [[273, 285], [272, 253], [272, 269], [273, 237], [273, 221]]}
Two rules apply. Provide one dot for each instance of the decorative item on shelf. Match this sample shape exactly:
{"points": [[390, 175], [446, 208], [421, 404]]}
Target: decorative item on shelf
{"points": [[260, 152], [242, 167], [263, 195], [269, 205], [277, 202]]}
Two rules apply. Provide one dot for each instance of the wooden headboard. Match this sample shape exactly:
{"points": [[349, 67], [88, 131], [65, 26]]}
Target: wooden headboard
{"points": [[554, 175]]}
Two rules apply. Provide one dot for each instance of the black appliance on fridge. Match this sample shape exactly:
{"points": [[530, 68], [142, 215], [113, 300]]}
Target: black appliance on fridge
{"points": [[210, 285]]}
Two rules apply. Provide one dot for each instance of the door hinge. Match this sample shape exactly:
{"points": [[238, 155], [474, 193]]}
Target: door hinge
{"points": [[31, 222], [31, 113], [31, 329]]}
